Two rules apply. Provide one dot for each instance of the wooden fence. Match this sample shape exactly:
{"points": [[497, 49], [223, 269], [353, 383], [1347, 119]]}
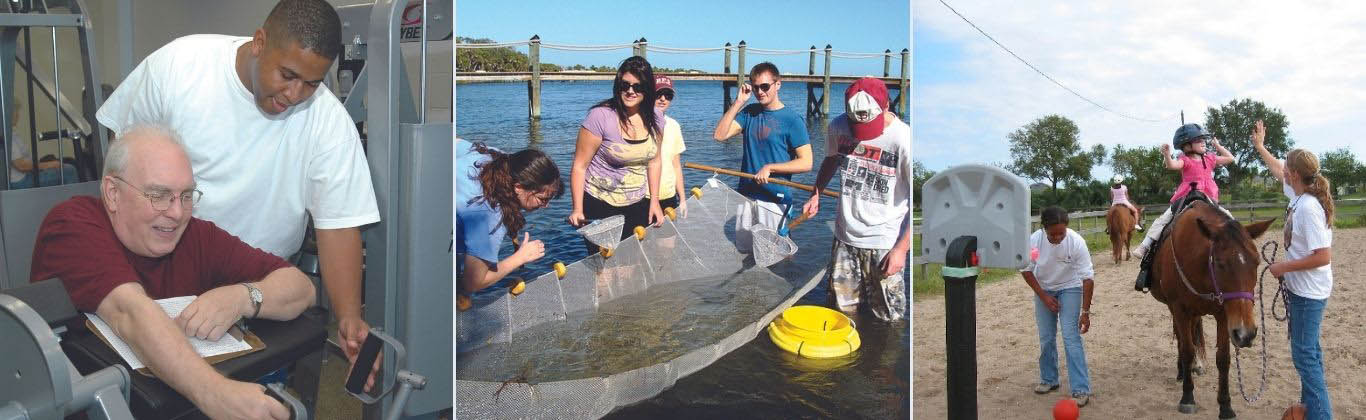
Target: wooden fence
{"points": [[1091, 222]]}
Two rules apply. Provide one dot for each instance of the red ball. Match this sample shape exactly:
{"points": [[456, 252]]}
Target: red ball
{"points": [[1295, 412], [1066, 409]]}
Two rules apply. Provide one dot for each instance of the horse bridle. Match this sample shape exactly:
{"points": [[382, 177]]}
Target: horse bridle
{"points": [[1218, 296]]}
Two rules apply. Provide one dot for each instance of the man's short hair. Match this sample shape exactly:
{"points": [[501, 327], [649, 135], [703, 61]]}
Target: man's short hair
{"points": [[764, 67], [314, 24], [116, 159]]}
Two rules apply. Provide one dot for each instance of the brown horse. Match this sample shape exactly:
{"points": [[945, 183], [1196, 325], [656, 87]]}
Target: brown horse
{"points": [[1120, 222], [1208, 266]]}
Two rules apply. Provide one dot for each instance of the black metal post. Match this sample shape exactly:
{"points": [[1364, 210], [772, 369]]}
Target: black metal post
{"points": [[960, 321]]}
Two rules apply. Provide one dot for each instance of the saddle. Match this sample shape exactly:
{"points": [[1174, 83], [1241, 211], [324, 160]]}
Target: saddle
{"points": [[1179, 207]]}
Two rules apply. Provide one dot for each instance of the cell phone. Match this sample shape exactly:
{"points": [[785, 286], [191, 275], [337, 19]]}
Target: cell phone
{"points": [[365, 362]]}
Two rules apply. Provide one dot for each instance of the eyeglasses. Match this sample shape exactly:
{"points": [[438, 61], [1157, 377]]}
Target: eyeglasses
{"points": [[668, 95], [762, 87], [161, 201], [623, 86]]}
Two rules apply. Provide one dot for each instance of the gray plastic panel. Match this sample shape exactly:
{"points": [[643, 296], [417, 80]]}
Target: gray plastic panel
{"points": [[21, 214], [977, 200]]}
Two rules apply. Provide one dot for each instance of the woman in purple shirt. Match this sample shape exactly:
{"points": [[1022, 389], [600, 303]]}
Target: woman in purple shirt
{"points": [[616, 160]]}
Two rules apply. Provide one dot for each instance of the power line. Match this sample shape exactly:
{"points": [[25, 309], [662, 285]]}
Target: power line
{"points": [[1041, 73]]}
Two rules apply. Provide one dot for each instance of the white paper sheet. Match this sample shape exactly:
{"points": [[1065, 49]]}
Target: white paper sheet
{"points": [[172, 306]]}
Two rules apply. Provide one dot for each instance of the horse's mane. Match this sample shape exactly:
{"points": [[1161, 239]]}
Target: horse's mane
{"points": [[1231, 227]]}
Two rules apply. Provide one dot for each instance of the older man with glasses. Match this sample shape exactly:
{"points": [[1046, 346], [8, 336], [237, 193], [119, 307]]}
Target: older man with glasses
{"points": [[776, 146], [138, 241]]}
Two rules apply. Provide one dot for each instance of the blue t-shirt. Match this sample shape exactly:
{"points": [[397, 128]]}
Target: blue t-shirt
{"points": [[479, 229], [770, 137]]}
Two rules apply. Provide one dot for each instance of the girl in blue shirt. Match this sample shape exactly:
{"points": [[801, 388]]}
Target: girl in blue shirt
{"points": [[492, 190]]}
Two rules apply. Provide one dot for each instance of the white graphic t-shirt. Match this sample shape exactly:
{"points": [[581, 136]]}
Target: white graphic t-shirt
{"points": [[875, 193]]}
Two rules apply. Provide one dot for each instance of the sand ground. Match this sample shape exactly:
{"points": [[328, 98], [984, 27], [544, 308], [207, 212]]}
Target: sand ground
{"points": [[1131, 351]]}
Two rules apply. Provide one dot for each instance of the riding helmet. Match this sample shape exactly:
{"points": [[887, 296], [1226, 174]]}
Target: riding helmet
{"points": [[1189, 133]]}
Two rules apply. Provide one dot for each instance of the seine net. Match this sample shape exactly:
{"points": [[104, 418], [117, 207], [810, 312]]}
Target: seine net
{"points": [[616, 330]]}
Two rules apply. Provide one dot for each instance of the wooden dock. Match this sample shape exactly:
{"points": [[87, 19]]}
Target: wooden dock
{"points": [[816, 105]]}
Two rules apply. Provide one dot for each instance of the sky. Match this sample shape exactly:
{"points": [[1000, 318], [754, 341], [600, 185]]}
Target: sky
{"points": [[1148, 60], [795, 25]]}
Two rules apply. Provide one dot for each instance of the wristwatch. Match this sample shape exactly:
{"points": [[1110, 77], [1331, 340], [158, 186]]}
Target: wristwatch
{"points": [[256, 298]]}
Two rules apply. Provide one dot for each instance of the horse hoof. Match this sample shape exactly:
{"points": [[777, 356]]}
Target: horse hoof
{"points": [[1230, 416], [1187, 408]]}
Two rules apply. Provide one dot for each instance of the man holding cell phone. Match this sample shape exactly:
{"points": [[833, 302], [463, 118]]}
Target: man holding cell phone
{"points": [[776, 145]]}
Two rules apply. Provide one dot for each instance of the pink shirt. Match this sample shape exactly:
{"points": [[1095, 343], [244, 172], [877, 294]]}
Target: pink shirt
{"points": [[1119, 195], [1201, 173]]}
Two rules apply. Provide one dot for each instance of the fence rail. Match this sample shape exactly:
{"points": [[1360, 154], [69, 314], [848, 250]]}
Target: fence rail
{"points": [[1079, 220]]}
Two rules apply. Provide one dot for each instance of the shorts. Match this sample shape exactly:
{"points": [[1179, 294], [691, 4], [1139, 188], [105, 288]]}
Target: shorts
{"points": [[856, 282]]}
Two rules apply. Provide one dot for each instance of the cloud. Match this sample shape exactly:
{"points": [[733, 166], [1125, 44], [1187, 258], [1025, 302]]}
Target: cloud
{"points": [[1148, 60]]}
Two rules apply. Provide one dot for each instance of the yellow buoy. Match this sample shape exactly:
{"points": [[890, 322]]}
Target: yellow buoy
{"points": [[814, 332], [463, 303], [670, 212], [560, 270], [697, 192], [605, 251], [518, 287], [640, 232]]}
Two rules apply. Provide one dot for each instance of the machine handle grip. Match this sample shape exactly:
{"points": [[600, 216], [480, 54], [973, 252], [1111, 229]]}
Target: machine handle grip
{"points": [[365, 362], [296, 408]]}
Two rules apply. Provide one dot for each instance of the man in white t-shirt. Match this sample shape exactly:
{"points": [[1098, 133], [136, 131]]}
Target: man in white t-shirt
{"points": [[268, 147], [871, 149]]}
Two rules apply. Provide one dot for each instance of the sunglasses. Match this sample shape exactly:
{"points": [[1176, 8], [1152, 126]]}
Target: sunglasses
{"points": [[668, 95], [624, 87], [762, 87]]}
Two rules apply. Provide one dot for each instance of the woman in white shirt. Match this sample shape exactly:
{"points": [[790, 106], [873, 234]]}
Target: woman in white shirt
{"points": [[1306, 272], [1060, 273]]}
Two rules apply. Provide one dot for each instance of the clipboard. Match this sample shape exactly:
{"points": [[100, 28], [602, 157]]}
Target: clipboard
{"points": [[248, 337]]}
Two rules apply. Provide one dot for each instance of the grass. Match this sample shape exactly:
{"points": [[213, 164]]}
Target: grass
{"points": [[931, 283]]}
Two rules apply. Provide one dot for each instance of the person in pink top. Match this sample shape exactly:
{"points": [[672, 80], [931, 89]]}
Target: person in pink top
{"points": [[1119, 194], [1197, 172]]}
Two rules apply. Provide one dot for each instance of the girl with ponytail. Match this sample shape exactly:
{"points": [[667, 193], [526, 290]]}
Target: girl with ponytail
{"points": [[1306, 273], [492, 190]]}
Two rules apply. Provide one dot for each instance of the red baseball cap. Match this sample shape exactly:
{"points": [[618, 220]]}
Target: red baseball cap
{"points": [[865, 103], [664, 82]]}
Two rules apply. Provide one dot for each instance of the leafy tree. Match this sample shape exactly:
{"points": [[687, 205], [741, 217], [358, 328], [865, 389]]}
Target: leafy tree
{"points": [[1232, 124], [920, 174], [1048, 149], [1148, 179], [1340, 166]]}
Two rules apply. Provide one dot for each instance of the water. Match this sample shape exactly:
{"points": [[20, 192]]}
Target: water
{"points": [[655, 326], [758, 380]]}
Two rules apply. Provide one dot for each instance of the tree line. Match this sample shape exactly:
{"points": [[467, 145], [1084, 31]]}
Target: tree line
{"points": [[508, 59], [1048, 151]]}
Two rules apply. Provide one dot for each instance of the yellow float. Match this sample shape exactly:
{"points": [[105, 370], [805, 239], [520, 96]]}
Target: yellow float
{"points": [[518, 287], [463, 303], [670, 212], [640, 232], [814, 332], [560, 270]]}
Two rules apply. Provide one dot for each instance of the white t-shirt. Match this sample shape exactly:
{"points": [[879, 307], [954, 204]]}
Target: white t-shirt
{"points": [[19, 149], [875, 197], [1060, 266], [1310, 232], [262, 175], [671, 145]]}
